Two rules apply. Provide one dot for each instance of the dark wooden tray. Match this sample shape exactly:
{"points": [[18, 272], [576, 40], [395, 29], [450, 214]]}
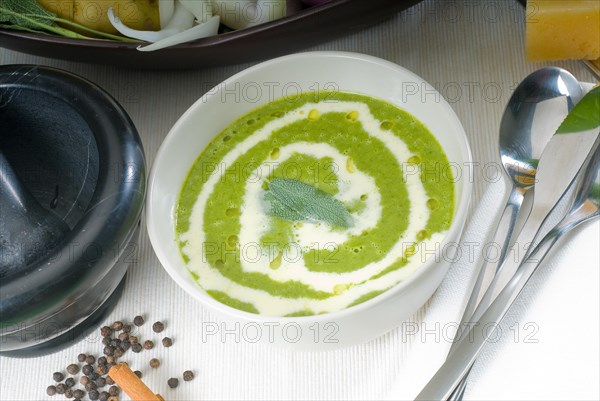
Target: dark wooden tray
{"points": [[304, 29]]}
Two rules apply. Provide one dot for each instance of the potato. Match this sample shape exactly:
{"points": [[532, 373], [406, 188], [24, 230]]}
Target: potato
{"points": [[137, 14]]}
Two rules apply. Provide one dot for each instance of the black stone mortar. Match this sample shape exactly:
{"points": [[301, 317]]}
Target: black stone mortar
{"points": [[77, 157]]}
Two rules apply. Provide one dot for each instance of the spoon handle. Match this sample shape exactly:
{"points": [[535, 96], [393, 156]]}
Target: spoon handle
{"points": [[505, 231], [484, 329], [457, 391], [449, 376]]}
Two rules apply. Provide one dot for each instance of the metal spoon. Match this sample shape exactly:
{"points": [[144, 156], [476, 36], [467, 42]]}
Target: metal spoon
{"points": [[585, 205], [525, 129]]}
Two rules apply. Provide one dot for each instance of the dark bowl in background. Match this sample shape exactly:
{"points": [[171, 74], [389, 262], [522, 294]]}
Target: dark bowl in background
{"points": [[79, 154], [306, 28]]}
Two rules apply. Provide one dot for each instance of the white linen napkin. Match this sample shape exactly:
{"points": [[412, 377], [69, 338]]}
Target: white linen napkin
{"points": [[546, 347]]}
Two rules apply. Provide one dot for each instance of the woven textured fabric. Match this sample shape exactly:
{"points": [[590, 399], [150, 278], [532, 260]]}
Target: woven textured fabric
{"points": [[473, 53]]}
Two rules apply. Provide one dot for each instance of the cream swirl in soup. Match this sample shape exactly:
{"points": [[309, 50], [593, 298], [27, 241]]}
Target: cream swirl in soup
{"points": [[376, 162]]}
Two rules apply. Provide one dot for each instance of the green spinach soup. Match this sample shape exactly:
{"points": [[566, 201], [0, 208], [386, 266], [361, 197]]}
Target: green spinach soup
{"points": [[312, 204]]}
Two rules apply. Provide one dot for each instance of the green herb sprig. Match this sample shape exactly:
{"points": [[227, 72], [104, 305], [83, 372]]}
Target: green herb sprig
{"points": [[29, 16], [294, 200]]}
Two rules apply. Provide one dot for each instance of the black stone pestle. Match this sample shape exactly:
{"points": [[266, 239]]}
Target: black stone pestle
{"points": [[28, 232]]}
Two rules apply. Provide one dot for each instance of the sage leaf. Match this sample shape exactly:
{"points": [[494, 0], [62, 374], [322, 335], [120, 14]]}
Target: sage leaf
{"points": [[294, 200], [584, 116], [25, 13]]}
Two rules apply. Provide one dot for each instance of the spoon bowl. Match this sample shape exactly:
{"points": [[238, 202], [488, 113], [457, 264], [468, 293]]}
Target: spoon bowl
{"points": [[532, 115]]}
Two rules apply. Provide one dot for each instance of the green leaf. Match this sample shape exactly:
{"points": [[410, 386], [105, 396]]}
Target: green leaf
{"points": [[296, 201], [584, 116], [13, 10], [28, 15], [595, 192]]}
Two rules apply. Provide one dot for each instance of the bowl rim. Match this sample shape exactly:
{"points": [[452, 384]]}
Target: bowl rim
{"points": [[461, 208]]}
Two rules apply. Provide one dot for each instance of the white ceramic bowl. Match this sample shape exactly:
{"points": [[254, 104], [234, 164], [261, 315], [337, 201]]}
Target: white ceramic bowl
{"points": [[286, 76]]}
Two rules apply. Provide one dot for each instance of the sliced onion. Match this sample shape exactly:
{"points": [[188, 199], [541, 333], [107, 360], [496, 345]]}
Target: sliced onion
{"points": [[203, 30], [182, 20], [202, 9], [166, 8], [241, 14], [177, 19]]}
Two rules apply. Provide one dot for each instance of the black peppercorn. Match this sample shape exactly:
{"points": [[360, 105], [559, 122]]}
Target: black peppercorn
{"points": [[73, 369], [167, 342], [136, 347], [84, 380], [68, 393], [90, 360], [101, 382], [70, 382], [94, 376], [138, 320], [173, 382], [81, 357], [104, 396], [188, 375], [114, 391], [61, 388], [105, 331], [126, 328], [157, 327], [78, 394], [106, 340], [57, 376], [109, 380], [87, 369], [101, 369], [93, 395], [51, 390], [118, 325], [138, 374], [91, 386], [148, 344], [154, 363], [125, 345], [118, 352], [110, 360], [133, 339], [102, 360], [124, 336], [109, 350], [115, 342]]}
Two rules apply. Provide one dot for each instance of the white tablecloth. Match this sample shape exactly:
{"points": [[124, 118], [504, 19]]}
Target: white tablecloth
{"points": [[472, 52]]}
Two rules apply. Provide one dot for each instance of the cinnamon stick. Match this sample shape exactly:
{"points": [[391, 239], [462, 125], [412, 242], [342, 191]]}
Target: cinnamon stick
{"points": [[131, 384]]}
